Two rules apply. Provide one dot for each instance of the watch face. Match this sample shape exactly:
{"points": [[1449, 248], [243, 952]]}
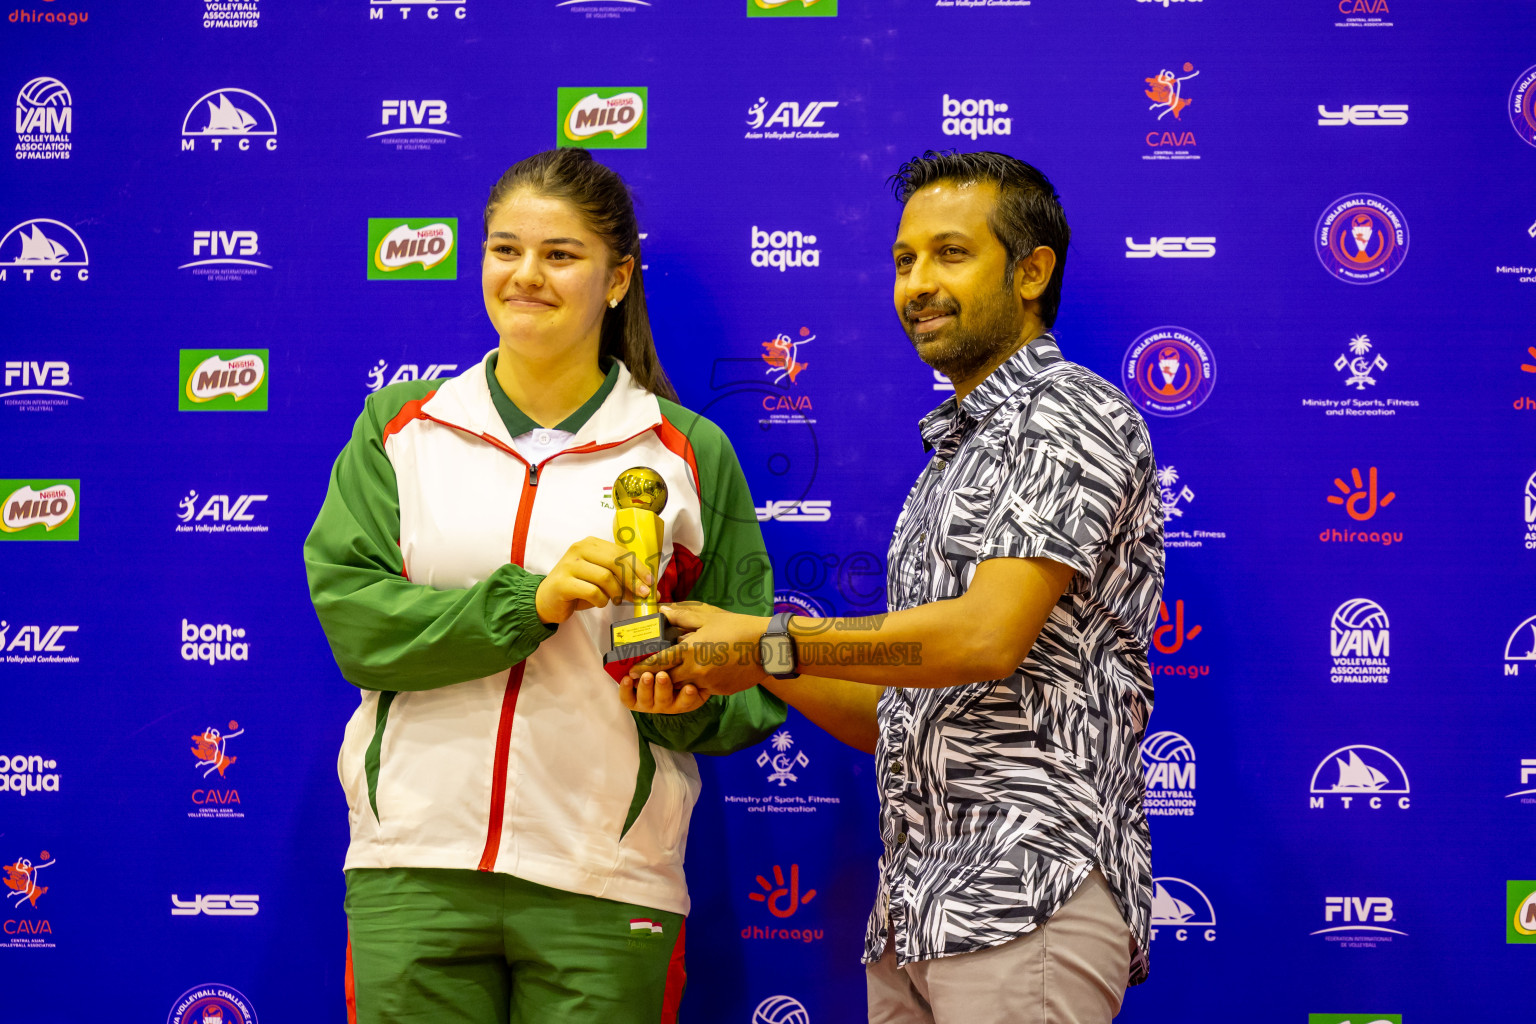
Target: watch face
{"points": [[778, 655]]}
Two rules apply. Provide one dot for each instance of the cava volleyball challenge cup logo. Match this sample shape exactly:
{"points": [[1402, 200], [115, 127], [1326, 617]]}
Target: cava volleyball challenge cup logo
{"points": [[1361, 238], [1522, 106], [1169, 371]]}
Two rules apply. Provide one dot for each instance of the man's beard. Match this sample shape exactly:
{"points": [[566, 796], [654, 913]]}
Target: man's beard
{"points": [[988, 327]]}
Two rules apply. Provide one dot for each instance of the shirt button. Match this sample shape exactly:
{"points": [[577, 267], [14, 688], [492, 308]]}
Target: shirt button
{"points": [[896, 768], [542, 437], [901, 837]]}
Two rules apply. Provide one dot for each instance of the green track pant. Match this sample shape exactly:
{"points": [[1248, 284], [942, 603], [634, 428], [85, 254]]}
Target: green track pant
{"points": [[436, 946]]}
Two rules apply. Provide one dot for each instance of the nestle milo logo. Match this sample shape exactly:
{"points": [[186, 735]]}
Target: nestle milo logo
{"points": [[212, 379], [413, 249], [602, 118], [39, 510]]}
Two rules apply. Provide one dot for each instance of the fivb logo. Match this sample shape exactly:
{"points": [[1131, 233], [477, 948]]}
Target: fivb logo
{"points": [[225, 255], [227, 515], [28, 773], [213, 643], [414, 124], [1359, 772], [974, 117], [34, 645], [1364, 115], [1360, 642], [1353, 918], [38, 244], [407, 372], [1184, 908], [433, 8], [795, 512], [215, 380], [1172, 247], [37, 510], [585, 115], [229, 114], [216, 905], [45, 117], [1521, 647], [1168, 763], [784, 249], [37, 387], [791, 118], [1527, 776]]}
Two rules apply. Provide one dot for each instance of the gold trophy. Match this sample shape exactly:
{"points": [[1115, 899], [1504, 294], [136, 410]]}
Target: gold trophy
{"points": [[639, 495]]}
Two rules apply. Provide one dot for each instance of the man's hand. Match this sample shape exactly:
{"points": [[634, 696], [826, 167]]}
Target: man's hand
{"points": [[719, 654], [591, 573], [654, 694]]}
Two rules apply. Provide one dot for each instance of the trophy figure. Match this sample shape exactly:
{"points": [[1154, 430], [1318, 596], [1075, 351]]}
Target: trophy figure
{"points": [[639, 495]]}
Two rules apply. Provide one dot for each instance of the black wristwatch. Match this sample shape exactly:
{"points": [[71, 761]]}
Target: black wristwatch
{"points": [[776, 648]]}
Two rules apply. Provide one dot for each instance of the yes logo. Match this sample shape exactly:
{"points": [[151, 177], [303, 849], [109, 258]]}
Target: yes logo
{"points": [[214, 380], [216, 905], [587, 114], [413, 249], [39, 509], [782, 898], [1365, 114], [795, 512], [1172, 247]]}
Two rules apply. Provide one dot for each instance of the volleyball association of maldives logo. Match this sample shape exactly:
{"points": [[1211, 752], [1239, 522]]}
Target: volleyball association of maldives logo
{"points": [[1522, 106], [596, 118], [1169, 371], [212, 1004], [1361, 238], [44, 120]]}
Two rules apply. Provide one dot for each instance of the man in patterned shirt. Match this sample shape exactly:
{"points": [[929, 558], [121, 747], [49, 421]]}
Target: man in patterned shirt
{"points": [[1007, 691]]}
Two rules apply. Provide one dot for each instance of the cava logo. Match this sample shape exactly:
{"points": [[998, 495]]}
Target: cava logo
{"points": [[36, 510], [1520, 911], [214, 380], [23, 890], [1167, 92], [210, 748], [1360, 641], [1172, 247], [1521, 647], [1168, 762], [45, 248], [213, 643], [432, 9], [1361, 239], [1364, 114], [413, 249], [225, 255], [219, 513], [1362, 13], [231, 13], [791, 8], [414, 124], [235, 116], [36, 645], [789, 120], [784, 249], [1358, 922], [44, 120], [1183, 908], [216, 905], [601, 118], [212, 1004], [28, 773], [37, 387], [1367, 775], [1169, 371], [406, 372], [795, 512], [1522, 106], [973, 118]]}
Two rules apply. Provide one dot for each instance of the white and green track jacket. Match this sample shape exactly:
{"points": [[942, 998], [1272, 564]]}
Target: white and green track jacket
{"points": [[486, 739]]}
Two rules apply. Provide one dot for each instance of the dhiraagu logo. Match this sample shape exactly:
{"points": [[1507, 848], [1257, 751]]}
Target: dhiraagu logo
{"points": [[791, 8], [615, 118], [1520, 913], [39, 510], [413, 249], [218, 380]]}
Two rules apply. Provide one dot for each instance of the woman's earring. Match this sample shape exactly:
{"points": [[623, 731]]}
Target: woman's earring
{"points": [[613, 303]]}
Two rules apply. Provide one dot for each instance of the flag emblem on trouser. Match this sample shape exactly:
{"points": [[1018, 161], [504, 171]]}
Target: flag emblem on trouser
{"points": [[644, 924]]}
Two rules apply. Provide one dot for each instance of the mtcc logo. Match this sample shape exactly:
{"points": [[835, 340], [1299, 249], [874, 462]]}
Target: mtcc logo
{"points": [[781, 761], [45, 116], [1183, 907], [1364, 114], [1172, 247], [1360, 641], [376, 8], [43, 247], [784, 249], [790, 118], [1359, 366], [780, 1010], [229, 115], [1368, 774], [216, 905], [975, 117], [1521, 647], [406, 372], [1168, 762]]}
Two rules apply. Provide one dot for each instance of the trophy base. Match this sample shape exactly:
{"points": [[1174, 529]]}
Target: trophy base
{"points": [[634, 640]]}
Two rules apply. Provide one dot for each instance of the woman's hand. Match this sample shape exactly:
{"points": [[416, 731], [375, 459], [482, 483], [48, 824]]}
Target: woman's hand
{"points": [[590, 574], [653, 693], [719, 654]]}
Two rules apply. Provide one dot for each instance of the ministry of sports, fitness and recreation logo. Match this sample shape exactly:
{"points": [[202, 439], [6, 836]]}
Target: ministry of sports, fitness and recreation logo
{"points": [[1169, 371], [39, 509], [1361, 238], [217, 380], [1182, 907], [236, 116], [43, 247], [1361, 773], [1522, 106], [413, 249], [597, 118], [212, 1004], [1360, 642], [791, 8], [45, 116]]}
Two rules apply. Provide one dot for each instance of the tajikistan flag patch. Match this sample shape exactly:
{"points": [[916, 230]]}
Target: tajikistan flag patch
{"points": [[644, 924]]}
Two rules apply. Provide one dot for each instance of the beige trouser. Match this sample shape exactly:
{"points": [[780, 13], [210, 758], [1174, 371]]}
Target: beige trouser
{"points": [[1071, 970]]}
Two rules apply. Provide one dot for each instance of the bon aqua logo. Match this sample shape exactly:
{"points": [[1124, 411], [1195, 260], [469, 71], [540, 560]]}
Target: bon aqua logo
{"points": [[218, 380]]}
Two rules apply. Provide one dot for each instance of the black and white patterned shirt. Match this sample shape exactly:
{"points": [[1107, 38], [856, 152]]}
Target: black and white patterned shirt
{"points": [[998, 798]]}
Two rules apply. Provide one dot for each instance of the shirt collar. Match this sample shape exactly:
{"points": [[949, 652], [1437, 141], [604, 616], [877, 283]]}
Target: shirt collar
{"points": [[944, 427], [518, 422]]}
